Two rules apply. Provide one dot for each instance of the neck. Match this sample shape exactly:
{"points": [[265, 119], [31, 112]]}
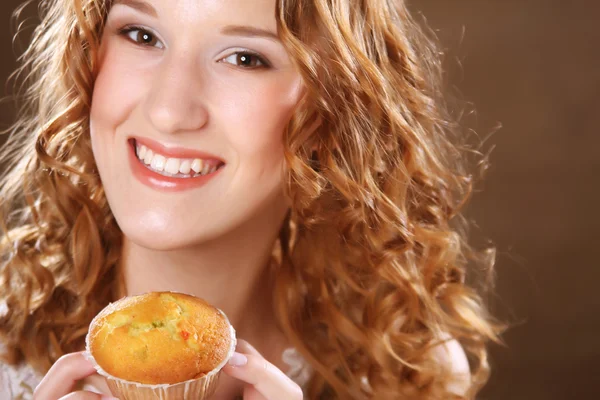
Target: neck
{"points": [[231, 272]]}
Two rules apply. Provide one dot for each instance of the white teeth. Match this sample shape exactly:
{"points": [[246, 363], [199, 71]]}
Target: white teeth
{"points": [[205, 169], [158, 162], [172, 166], [185, 167], [197, 165], [148, 157], [142, 150]]}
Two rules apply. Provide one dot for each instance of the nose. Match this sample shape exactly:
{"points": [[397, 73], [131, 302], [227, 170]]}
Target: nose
{"points": [[174, 102]]}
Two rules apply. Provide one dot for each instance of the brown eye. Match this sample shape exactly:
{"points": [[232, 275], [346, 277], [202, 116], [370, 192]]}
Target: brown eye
{"points": [[143, 37], [246, 60], [146, 38]]}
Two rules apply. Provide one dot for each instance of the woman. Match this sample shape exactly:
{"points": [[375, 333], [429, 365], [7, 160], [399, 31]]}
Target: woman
{"points": [[288, 161]]}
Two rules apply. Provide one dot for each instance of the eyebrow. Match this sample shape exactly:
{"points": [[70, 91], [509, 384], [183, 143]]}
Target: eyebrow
{"points": [[232, 30], [138, 5], [250, 31]]}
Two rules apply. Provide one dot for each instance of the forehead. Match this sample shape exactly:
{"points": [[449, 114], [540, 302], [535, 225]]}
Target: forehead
{"points": [[260, 12]]}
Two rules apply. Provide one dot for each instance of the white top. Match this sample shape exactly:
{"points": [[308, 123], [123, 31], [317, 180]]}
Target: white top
{"points": [[18, 382]]}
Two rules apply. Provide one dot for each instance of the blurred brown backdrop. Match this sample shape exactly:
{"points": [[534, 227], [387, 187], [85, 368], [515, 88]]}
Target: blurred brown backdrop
{"points": [[534, 67]]}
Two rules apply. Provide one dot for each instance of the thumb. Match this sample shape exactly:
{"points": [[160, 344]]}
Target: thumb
{"points": [[87, 396]]}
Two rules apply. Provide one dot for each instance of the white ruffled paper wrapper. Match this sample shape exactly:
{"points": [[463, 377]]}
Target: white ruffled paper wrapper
{"points": [[198, 389]]}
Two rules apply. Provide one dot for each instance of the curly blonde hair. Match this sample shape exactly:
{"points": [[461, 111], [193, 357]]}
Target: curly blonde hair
{"points": [[373, 255]]}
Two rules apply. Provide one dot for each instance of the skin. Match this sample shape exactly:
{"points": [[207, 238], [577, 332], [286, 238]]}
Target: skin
{"points": [[187, 86]]}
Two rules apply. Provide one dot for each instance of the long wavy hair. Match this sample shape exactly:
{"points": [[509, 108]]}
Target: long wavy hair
{"points": [[373, 256]]}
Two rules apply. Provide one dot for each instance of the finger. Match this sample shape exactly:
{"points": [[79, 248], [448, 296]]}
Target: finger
{"points": [[267, 379], [62, 376], [250, 393], [86, 396]]}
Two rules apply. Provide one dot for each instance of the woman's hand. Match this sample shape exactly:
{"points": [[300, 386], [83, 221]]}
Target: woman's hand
{"points": [[61, 379], [264, 381]]}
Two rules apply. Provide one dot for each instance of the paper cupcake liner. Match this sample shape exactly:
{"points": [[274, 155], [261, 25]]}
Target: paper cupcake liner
{"points": [[198, 389]]}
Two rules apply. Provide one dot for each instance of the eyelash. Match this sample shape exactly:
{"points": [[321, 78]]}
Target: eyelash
{"points": [[129, 29]]}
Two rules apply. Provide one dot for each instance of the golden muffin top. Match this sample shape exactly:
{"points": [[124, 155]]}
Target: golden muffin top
{"points": [[160, 338]]}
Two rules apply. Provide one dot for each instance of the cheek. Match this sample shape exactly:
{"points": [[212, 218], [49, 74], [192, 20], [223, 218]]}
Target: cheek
{"points": [[117, 89], [257, 115]]}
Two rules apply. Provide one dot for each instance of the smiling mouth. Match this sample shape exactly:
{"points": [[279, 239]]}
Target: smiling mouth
{"points": [[172, 167]]}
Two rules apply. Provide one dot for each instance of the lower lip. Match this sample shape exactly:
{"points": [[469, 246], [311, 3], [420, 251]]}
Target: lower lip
{"points": [[164, 183]]}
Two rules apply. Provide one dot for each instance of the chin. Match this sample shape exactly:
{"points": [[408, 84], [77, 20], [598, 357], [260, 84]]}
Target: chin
{"points": [[167, 237], [154, 242]]}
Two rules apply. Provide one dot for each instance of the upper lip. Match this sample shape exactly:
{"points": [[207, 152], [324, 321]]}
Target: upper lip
{"points": [[174, 151]]}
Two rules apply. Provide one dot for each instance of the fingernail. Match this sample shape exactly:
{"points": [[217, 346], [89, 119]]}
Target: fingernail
{"points": [[238, 359]]}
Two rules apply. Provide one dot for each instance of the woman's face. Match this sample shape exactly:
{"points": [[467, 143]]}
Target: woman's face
{"points": [[207, 88]]}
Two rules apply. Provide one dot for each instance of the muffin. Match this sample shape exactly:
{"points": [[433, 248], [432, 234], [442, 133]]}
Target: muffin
{"points": [[164, 343]]}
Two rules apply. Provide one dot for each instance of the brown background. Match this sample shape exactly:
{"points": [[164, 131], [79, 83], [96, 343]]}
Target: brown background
{"points": [[532, 66]]}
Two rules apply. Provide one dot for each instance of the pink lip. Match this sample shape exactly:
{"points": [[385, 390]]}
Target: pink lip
{"points": [[166, 183], [174, 151]]}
